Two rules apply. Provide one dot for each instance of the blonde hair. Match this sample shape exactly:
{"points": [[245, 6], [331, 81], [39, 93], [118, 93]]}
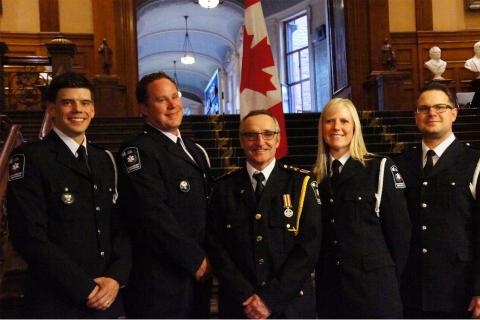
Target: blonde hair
{"points": [[357, 148]]}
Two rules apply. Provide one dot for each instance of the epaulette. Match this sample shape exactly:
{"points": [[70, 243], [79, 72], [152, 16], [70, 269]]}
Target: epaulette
{"points": [[295, 169], [228, 173], [90, 143], [467, 144]]}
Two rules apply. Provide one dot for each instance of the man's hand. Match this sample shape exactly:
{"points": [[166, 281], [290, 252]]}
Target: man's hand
{"points": [[105, 295], [203, 270], [474, 307], [255, 308]]}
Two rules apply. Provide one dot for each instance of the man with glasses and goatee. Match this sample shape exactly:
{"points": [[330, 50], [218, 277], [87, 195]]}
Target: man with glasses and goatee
{"points": [[442, 276], [263, 234]]}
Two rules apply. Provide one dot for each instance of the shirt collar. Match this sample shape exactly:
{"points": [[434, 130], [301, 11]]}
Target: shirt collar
{"points": [[343, 159], [71, 144], [266, 171], [440, 149], [169, 135]]}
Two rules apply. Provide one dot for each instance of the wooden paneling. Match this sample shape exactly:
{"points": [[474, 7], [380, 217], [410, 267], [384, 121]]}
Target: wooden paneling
{"points": [[412, 52], [423, 15], [338, 43], [49, 16], [33, 44]]}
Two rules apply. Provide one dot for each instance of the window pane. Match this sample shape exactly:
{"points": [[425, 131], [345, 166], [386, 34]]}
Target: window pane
{"points": [[306, 97], [296, 32], [293, 67], [295, 97], [304, 64]]}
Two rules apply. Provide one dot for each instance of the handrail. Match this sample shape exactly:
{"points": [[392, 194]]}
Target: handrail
{"points": [[13, 140], [47, 125]]}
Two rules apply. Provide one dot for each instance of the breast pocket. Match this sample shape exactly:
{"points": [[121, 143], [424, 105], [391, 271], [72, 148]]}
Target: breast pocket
{"points": [[282, 223], [360, 205], [458, 195]]}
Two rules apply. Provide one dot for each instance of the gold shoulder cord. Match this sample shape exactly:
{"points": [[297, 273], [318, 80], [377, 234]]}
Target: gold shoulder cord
{"points": [[300, 205]]}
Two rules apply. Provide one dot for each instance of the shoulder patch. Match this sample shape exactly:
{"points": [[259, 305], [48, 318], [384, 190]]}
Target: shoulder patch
{"points": [[16, 167], [314, 186], [131, 159], [397, 178]]}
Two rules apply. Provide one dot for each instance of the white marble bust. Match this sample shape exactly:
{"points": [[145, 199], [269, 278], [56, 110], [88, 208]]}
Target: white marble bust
{"points": [[473, 64], [435, 64]]}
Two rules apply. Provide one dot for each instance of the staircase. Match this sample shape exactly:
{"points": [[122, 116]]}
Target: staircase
{"points": [[386, 133]]}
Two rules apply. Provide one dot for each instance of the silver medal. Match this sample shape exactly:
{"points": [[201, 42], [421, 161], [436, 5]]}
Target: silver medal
{"points": [[184, 186], [67, 198]]}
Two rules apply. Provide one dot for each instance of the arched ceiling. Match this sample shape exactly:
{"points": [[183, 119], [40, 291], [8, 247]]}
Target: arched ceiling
{"points": [[161, 33]]}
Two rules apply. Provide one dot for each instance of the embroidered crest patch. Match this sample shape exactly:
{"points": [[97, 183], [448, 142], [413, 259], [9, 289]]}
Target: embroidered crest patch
{"points": [[397, 178], [131, 159], [16, 167]]}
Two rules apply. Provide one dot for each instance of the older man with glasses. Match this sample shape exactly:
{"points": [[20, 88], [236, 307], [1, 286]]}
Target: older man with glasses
{"points": [[263, 233], [442, 277]]}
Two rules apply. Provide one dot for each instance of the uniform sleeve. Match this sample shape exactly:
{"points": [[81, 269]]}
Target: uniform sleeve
{"points": [[121, 259], [394, 216], [224, 268], [155, 217], [301, 260], [28, 222]]}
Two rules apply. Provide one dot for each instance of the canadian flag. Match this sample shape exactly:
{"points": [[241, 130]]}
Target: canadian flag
{"points": [[259, 86]]}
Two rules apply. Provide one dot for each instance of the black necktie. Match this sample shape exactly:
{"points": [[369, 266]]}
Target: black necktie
{"points": [[82, 157], [335, 172], [259, 188], [429, 165]]}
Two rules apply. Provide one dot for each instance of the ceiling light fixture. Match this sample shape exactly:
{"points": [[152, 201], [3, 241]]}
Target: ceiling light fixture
{"points": [[188, 57], [209, 4], [175, 73]]}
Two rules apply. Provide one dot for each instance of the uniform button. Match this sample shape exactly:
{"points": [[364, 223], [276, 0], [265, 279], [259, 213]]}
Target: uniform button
{"points": [[337, 263], [207, 197], [288, 226], [229, 226], [258, 216], [453, 183], [110, 189], [97, 208], [261, 261], [424, 205], [66, 189], [359, 198], [425, 183], [263, 284], [99, 231], [102, 253], [335, 242], [259, 238], [424, 250], [204, 176], [95, 187], [300, 293], [331, 200], [424, 227], [332, 220]]}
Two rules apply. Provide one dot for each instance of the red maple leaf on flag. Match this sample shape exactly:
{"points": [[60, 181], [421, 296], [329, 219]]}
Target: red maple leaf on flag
{"points": [[254, 61]]}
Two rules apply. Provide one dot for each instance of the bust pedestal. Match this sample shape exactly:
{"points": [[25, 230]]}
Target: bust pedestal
{"points": [[386, 90], [476, 98]]}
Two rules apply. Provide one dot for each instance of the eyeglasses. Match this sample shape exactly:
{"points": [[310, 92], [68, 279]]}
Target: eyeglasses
{"points": [[438, 108], [253, 136]]}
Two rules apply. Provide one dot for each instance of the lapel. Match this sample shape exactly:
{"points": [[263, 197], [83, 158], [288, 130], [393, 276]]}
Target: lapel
{"points": [[275, 180], [245, 189], [170, 146], [448, 159], [63, 154], [349, 170]]}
